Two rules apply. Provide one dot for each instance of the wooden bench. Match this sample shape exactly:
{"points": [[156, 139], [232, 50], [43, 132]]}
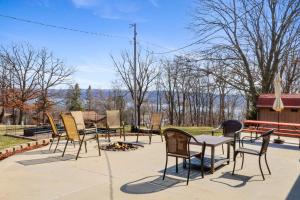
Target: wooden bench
{"points": [[285, 132]]}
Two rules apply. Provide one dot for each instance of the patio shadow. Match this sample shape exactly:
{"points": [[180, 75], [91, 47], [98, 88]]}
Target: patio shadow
{"points": [[149, 185], [230, 180], [46, 160], [195, 173], [42, 152], [294, 194]]}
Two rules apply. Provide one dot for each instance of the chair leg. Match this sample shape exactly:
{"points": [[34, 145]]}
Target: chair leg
{"points": [[65, 148], [150, 138], [243, 155], [188, 177], [202, 166], [97, 138], [222, 149], [79, 149], [267, 164], [123, 130], [176, 165], [262, 174], [51, 144], [162, 139], [57, 143], [184, 163], [234, 159], [85, 146], [137, 137], [165, 167]]}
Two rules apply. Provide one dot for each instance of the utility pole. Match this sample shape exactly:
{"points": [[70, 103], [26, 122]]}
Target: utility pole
{"points": [[134, 77]]}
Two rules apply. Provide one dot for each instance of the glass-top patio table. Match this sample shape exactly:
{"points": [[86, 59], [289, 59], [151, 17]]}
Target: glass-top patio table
{"points": [[213, 142]]}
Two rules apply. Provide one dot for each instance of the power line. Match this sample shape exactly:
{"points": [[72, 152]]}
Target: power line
{"points": [[63, 27], [198, 41]]}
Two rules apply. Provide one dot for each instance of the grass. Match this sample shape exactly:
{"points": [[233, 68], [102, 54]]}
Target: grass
{"points": [[7, 141], [193, 130]]}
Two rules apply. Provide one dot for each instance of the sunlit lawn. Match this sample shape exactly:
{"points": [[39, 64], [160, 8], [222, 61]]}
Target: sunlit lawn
{"points": [[7, 141]]}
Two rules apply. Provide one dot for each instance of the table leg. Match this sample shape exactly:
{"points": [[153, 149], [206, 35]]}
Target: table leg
{"points": [[212, 161], [228, 153]]}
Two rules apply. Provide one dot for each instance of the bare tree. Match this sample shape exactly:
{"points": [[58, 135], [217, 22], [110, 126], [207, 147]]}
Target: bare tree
{"points": [[146, 74], [251, 35]]}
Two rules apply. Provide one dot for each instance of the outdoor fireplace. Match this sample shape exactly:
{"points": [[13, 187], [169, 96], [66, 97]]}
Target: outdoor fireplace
{"points": [[120, 146]]}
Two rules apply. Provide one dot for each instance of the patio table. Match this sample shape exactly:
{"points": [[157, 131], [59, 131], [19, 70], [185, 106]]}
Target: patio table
{"points": [[213, 142]]}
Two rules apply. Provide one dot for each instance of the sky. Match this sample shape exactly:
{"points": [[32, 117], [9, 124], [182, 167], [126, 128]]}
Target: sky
{"points": [[159, 22]]}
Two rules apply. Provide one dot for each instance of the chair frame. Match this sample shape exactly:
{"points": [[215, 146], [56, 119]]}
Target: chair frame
{"points": [[121, 128], [81, 139], [236, 134], [263, 151], [150, 129], [55, 132], [185, 157]]}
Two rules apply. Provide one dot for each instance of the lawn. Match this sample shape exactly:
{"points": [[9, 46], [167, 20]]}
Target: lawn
{"points": [[7, 141]]}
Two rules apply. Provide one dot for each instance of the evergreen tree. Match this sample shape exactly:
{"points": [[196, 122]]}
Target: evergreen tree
{"points": [[89, 98], [73, 98]]}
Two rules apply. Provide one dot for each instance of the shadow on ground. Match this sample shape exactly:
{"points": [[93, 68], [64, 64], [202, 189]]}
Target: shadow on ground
{"points": [[150, 184], [46, 160], [42, 152], [294, 194]]}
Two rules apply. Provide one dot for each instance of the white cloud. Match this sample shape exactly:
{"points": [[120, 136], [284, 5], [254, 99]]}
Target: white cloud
{"points": [[85, 3], [154, 3]]}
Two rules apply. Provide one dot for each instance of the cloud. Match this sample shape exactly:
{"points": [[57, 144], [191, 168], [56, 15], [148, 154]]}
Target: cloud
{"points": [[85, 3]]}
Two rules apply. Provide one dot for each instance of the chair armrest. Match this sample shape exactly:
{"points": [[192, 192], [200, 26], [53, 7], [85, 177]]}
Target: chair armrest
{"points": [[215, 129]]}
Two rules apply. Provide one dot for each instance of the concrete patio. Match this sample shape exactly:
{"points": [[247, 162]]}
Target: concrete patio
{"points": [[40, 174]]}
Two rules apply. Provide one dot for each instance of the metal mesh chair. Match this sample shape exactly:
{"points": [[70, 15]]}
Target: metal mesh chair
{"points": [[73, 134], [263, 151], [153, 128], [230, 128], [178, 146], [78, 116], [55, 133], [114, 122]]}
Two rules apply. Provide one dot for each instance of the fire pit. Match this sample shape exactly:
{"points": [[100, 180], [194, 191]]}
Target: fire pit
{"points": [[120, 146]]}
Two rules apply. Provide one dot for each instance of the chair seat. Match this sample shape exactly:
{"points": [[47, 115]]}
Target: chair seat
{"points": [[248, 151], [115, 127], [192, 154]]}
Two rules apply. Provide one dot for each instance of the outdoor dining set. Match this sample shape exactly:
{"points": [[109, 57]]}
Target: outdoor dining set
{"points": [[178, 142]]}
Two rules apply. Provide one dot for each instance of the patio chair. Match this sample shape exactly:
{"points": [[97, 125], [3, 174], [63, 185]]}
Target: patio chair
{"points": [[74, 136], [178, 146], [79, 120], [153, 128], [230, 128], [113, 122], [55, 132], [263, 151]]}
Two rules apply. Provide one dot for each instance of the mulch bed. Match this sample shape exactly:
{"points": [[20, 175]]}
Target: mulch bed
{"points": [[8, 154]]}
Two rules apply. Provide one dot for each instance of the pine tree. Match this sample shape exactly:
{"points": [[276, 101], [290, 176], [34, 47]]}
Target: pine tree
{"points": [[89, 98], [73, 98]]}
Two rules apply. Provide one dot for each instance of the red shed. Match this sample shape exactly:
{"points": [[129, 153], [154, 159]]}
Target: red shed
{"points": [[290, 113]]}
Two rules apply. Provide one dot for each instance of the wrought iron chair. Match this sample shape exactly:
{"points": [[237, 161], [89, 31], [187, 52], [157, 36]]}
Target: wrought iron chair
{"points": [[73, 134], [55, 132], [178, 146], [114, 122], [231, 128], [153, 128], [263, 151]]}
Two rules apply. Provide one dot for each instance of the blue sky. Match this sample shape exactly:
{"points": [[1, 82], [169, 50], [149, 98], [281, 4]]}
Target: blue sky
{"points": [[162, 22]]}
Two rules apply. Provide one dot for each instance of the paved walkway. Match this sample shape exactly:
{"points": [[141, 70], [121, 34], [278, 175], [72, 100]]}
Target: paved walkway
{"points": [[137, 174]]}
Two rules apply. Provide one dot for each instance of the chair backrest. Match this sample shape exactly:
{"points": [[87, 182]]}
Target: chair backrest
{"points": [[156, 120], [70, 127], [177, 141], [52, 124], [230, 127], [266, 140], [113, 118], [78, 117]]}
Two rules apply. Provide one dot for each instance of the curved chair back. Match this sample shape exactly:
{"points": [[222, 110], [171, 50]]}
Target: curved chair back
{"points": [[78, 117], [230, 127], [266, 141], [113, 118], [70, 127], [52, 124], [177, 142]]}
